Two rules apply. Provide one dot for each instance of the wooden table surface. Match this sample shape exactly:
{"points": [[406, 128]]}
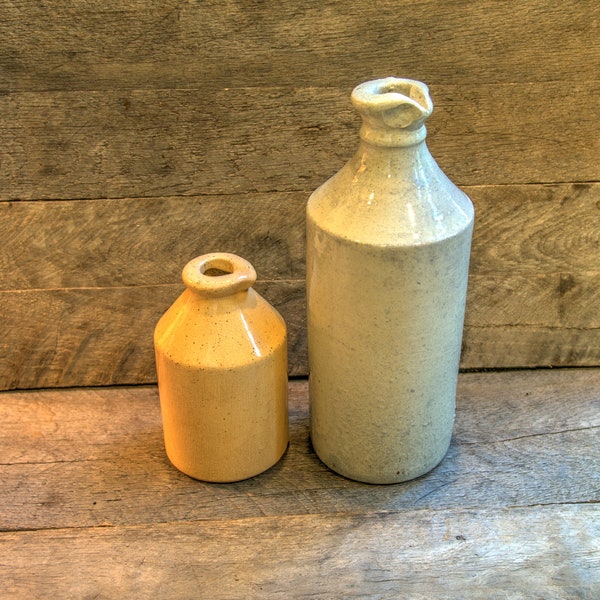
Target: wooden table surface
{"points": [[91, 508]]}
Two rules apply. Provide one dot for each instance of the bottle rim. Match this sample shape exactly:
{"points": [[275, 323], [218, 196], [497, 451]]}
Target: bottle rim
{"points": [[218, 274]]}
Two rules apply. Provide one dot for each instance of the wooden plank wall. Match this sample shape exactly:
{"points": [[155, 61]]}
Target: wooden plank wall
{"points": [[136, 135]]}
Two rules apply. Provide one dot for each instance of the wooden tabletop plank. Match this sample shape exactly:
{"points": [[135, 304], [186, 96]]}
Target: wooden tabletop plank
{"points": [[548, 552], [91, 507], [76, 458]]}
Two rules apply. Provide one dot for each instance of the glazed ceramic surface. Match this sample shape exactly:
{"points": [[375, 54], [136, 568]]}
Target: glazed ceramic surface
{"points": [[388, 242], [221, 358]]}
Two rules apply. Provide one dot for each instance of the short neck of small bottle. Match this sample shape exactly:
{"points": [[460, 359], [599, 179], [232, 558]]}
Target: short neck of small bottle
{"points": [[212, 295], [223, 304]]}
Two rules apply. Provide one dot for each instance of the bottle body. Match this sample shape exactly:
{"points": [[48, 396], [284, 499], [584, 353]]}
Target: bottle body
{"points": [[388, 242], [222, 373]]}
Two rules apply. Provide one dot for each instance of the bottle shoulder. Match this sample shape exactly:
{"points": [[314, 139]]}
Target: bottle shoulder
{"points": [[218, 334], [396, 199]]}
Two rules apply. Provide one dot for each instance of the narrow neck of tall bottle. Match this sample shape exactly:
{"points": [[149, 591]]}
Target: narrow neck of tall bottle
{"points": [[388, 137], [397, 162], [403, 153]]}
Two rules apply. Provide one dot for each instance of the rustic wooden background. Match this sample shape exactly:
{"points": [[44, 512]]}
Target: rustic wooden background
{"points": [[135, 135]]}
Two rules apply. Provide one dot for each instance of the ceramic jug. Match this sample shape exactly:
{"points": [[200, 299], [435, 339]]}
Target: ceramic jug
{"points": [[388, 244], [221, 360]]}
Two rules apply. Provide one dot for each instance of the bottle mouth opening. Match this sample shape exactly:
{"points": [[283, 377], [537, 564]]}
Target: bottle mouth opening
{"points": [[218, 274], [393, 110], [382, 95], [217, 267], [214, 272], [398, 86]]}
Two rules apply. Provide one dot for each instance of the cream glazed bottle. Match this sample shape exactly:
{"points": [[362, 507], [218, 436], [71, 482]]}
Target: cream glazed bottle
{"points": [[388, 243]]}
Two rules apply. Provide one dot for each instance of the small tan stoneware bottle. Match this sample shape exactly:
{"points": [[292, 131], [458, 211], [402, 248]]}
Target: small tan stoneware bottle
{"points": [[221, 359], [388, 242]]}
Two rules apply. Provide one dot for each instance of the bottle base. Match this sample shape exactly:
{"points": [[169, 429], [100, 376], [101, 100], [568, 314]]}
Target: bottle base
{"points": [[383, 477], [227, 473]]}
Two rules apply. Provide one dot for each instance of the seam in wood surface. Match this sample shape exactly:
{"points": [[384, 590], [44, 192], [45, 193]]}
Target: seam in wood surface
{"points": [[267, 88], [459, 443], [124, 287], [530, 326], [340, 516], [253, 192], [531, 435]]}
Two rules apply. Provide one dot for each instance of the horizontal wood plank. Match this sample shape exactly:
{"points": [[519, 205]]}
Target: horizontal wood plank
{"points": [[147, 241], [140, 143], [80, 304], [552, 300], [83, 458], [536, 229], [522, 232], [103, 336], [501, 347], [551, 551], [175, 44]]}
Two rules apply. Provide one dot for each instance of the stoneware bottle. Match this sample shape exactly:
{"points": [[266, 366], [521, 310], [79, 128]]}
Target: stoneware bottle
{"points": [[388, 243], [221, 359]]}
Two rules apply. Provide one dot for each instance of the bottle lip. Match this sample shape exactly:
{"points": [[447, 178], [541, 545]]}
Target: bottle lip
{"points": [[393, 110], [218, 274]]}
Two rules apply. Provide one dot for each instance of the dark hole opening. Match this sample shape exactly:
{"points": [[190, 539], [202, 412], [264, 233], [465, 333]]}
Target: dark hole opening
{"points": [[215, 272]]}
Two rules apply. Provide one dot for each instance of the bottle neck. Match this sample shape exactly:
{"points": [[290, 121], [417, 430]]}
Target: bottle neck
{"points": [[405, 155], [391, 164], [392, 138]]}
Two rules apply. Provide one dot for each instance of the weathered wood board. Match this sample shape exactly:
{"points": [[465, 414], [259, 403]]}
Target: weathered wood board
{"points": [[82, 457], [91, 507], [79, 308], [135, 136], [549, 552], [154, 143], [141, 44]]}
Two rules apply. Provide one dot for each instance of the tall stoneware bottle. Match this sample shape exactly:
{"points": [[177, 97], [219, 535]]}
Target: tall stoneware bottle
{"points": [[221, 359], [388, 243]]}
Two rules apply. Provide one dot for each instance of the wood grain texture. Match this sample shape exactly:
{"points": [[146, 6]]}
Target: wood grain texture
{"points": [[90, 506], [534, 277], [175, 43], [147, 241], [79, 307], [136, 135], [529, 346], [84, 458], [104, 336], [522, 233], [531, 229], [113, 144], [549, 551]]}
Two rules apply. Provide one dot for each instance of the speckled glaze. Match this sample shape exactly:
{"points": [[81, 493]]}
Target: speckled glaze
{"points": [[221, 359], [388, 243]]}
